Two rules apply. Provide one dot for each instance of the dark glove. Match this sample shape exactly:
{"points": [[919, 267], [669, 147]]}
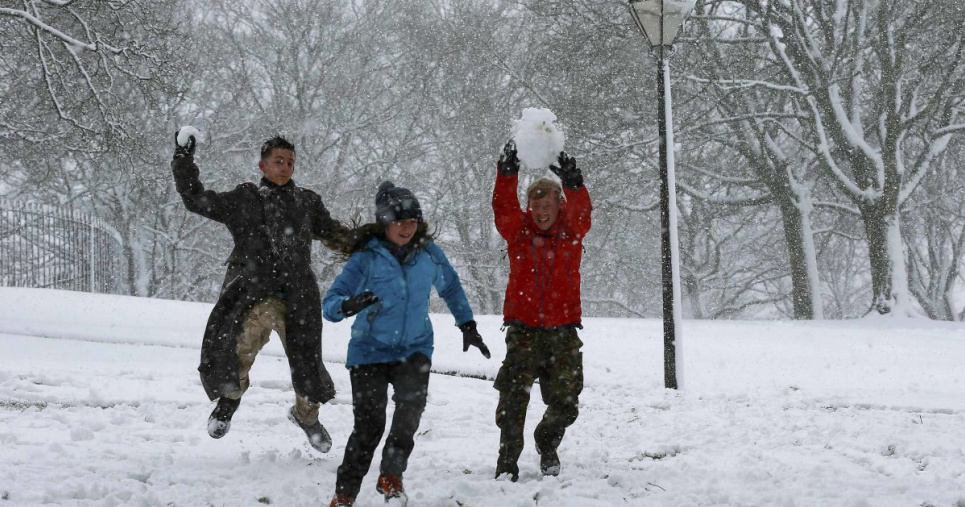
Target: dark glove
{"points": [[184, 151], [472, 337], [185, 171], [508, 164], [569, 174], [358, 302]]}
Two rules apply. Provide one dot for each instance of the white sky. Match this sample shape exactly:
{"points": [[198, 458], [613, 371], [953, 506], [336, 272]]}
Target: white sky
{"points": [[100, 404]]}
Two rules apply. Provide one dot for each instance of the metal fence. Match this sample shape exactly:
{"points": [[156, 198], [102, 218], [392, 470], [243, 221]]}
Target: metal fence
{"points": [[58, 248]]}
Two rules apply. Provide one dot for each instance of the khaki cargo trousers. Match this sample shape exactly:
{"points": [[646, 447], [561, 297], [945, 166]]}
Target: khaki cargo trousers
{"points": [[266, 316]]}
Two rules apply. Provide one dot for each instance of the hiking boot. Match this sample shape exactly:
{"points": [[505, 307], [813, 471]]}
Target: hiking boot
{"points": [[219, 422], [549, 463], [342, 501], [317, 436], [508, 469], [391, 487]]}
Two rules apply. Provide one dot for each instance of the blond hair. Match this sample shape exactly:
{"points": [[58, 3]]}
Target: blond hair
{"points": [[543, 187]]}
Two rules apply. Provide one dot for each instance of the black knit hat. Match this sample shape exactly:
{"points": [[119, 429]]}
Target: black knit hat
{"points": [[394, 203]]}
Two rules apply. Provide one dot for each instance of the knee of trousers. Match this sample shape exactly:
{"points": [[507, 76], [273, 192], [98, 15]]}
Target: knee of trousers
{"points": [[566, 416], [565, 410], [415, 399], [510, 417], [370, 428], [369, 436]]}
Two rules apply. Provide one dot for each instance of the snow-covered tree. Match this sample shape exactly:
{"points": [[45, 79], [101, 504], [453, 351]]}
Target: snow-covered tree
{"points": [[68, 67], [934, 231], [879, 85]]}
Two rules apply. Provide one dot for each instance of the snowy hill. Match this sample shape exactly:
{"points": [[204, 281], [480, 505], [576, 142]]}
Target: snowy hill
{"points": [[100, 404]]}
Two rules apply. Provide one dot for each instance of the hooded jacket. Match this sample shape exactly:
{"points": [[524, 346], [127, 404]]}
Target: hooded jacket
{"points": [[397, 326], [272, 227], [544, 266]]}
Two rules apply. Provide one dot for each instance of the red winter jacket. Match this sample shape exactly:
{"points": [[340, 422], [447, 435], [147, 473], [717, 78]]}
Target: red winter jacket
{"points": [[544, 266]]}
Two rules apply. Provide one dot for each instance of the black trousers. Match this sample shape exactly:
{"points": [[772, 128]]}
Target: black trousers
{"points": [[370, 382]]}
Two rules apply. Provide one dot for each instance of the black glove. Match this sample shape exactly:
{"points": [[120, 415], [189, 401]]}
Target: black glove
{"points": [[569, 174], [508, 164], [184, 151], [472, 337], [358, 302]]}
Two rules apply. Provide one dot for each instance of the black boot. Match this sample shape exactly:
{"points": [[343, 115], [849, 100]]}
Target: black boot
{"points": [[549, 463], [219, 422], [317, 436], [507, 468], [509, 451]]}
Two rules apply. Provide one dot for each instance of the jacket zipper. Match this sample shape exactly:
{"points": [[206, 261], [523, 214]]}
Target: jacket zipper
{"points": [[542, 289], [405, 300]]}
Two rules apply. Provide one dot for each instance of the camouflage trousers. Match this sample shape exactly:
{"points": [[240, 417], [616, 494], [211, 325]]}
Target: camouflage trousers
{"points": [[553, 356]]}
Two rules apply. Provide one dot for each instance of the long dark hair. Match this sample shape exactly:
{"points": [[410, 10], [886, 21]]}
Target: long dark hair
{"points": [[361, 234]]}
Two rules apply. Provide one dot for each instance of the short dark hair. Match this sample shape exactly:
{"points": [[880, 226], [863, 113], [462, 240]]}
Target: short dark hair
{"points": [[276, 142]]}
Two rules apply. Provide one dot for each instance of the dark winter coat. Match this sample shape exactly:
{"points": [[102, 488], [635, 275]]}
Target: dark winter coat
{"points": [[544, 266], [272, 227]]}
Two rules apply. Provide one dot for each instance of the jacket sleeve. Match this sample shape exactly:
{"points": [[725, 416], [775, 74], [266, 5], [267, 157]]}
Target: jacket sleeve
{"points": [[334, 234], [509, 217], [449, 287], [207, 203], [578, 210], [346, 285]]}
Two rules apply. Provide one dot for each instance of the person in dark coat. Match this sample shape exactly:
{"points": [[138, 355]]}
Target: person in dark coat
{"points": [[386, 284], [269, 284], [542, 308]]}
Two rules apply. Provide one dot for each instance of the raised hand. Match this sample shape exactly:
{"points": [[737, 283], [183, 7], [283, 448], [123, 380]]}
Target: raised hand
{"points": [[508, 164], [569, 174], [186, 150]]}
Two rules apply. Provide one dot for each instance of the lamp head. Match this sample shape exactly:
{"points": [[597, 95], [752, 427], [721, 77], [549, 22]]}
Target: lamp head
{"points": [[660, 20]]}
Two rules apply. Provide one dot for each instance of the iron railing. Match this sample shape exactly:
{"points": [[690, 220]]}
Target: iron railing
{"points": [[53, 247]]}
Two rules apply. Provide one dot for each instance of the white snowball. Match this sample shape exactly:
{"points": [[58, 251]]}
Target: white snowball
{"points": [[539, 140], [186, 132]]}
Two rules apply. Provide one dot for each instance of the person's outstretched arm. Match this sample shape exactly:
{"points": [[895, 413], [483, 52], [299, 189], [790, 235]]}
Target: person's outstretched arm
{"points": [[578, 206], [508, 215], [333, 234], [450, 289], [206, 203]]}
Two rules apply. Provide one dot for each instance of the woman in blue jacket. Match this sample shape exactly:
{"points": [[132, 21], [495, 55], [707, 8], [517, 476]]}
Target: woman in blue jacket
{"points": [[386, 284]]}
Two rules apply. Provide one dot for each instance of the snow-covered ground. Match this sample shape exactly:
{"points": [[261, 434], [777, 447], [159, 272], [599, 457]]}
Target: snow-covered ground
{"points": [[100, 404]]}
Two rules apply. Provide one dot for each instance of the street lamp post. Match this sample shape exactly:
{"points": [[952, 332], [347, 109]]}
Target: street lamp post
{"points": [[660, 22]]}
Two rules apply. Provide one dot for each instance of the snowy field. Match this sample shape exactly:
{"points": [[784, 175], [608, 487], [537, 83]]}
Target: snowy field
{"points": [[100, 404]]}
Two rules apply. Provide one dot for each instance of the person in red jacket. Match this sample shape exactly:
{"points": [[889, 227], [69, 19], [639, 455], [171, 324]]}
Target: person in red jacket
{"points": [[542, 307]]}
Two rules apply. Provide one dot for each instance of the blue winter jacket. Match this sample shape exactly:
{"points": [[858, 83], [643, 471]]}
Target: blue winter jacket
{"points": [[398, 325]]}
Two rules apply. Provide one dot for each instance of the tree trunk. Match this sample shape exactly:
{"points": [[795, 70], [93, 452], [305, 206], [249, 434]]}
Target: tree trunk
{"points": [[889, 277], [805, 293]]}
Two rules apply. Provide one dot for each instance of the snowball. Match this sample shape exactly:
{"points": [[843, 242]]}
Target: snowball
{"points": [[539, 140], [186, 132]]}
